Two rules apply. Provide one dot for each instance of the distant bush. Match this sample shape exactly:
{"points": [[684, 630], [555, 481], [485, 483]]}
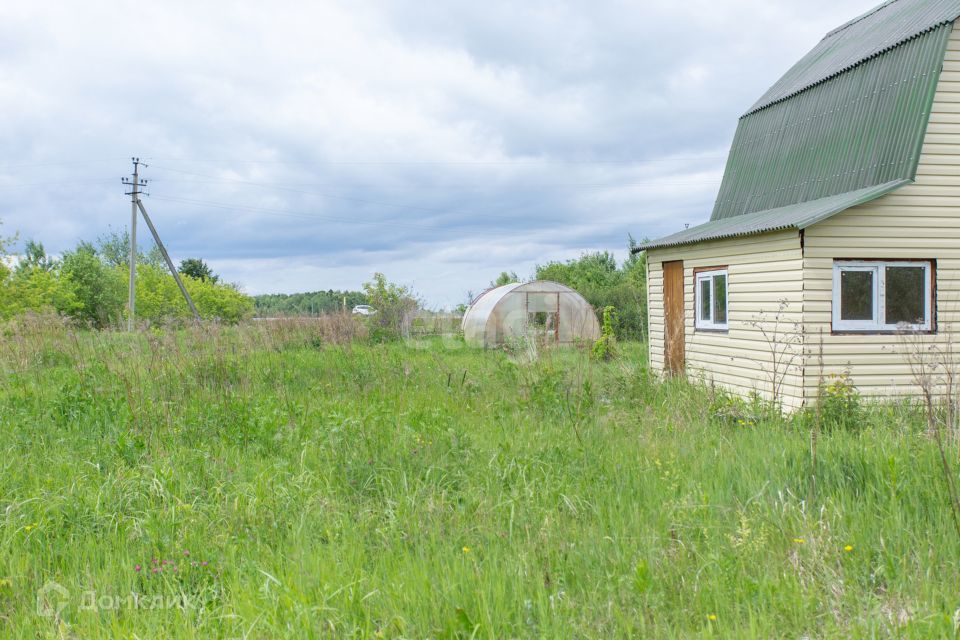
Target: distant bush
{"points": [[395, 305]]}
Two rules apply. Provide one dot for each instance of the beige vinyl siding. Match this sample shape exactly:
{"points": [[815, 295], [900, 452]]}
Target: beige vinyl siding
{"points": [[918, 221], [762, 270]]}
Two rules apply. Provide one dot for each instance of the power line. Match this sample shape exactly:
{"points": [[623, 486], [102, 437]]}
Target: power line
{"points": [[436, 210], [55, 164], [294, 214], [47, 182], [530, 162], [459, 186], [321, 194], [311, 216]]}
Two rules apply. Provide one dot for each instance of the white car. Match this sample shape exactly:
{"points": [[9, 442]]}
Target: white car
{"points": [[363, 310]]}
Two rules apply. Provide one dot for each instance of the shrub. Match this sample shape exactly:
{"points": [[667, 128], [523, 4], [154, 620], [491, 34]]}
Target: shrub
{"points": [[605, 347], [395, 306], [100, 289], [840, 403], [159, 298]]}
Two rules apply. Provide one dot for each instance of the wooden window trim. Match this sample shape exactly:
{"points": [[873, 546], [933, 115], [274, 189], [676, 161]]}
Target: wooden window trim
{"points": [[722, 267]]}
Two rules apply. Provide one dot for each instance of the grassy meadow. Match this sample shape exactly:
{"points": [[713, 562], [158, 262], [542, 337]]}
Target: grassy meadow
{"points": [[294, 480]]}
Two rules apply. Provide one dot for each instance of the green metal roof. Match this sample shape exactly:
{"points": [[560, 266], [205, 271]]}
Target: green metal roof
{"points": [[860, 39], [848, 119], [860, 128], [794, 216]]}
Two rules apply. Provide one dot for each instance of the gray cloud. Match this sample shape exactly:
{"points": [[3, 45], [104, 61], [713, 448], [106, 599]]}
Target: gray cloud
{"points": [[306, 145]]}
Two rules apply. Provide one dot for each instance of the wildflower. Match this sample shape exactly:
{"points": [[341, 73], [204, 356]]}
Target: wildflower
{"points": [[204, 563], [712, 617], [848, 548], [186, 553], [137, 568], [799, 540], [466, 549]]}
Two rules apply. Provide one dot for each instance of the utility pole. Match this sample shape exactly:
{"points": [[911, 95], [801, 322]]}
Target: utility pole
{"points": [[137, 204], [134, 194]]}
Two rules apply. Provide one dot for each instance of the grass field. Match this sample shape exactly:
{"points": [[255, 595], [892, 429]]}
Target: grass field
{"points": [[266, 482]]}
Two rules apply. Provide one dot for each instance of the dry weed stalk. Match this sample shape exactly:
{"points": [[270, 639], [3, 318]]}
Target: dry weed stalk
{"points": [[818, 417], [933, 366], [785, 344]]}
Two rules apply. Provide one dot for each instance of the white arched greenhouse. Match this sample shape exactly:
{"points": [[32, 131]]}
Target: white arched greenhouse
{"points": [[547, 311]]}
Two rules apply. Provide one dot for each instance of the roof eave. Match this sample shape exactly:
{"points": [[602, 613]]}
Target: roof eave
{"points": [[798, 216]]}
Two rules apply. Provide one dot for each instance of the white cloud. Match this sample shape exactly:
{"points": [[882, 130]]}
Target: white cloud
{"points": [[305, 145]]}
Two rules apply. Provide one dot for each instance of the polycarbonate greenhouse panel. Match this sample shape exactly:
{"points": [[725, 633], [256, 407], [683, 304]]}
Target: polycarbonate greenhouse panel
{"points": [[548, 311]]}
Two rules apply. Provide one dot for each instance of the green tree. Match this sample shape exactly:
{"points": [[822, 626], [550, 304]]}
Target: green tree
{"points": [[100, 289], [35, 289], [114, 249], [159, 298], [604, 283], [197, 268], [505, 277], [395, 307], [35, 257], [35, 283], [219, 301]]}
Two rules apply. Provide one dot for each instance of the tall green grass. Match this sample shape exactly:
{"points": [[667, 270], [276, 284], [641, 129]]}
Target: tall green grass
{"points": [[305, 484]]}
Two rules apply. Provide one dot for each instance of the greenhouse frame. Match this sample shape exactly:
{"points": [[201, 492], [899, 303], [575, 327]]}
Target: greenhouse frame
{"points": [[549, 312]]}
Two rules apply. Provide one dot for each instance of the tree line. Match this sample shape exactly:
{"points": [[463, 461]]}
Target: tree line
{"points": [[89, 284], [310, 303]]}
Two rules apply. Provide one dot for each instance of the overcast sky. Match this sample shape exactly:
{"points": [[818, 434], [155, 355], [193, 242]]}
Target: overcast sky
{"points": [[304, 146]]}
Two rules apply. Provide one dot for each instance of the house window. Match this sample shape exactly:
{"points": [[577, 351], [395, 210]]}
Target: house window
{"points": [[882, 295], [711, 300]]}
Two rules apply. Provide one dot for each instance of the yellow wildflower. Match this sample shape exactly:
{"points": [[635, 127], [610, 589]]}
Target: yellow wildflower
{"points": [[466, 549], [799, 540], [712, 617], [848, 548]]}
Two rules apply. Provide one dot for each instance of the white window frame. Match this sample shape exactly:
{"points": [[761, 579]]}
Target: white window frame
{"points": [[878, 268], [707, 324]]}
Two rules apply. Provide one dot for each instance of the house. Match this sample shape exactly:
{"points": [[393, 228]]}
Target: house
{"points": [[834, 242]]}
